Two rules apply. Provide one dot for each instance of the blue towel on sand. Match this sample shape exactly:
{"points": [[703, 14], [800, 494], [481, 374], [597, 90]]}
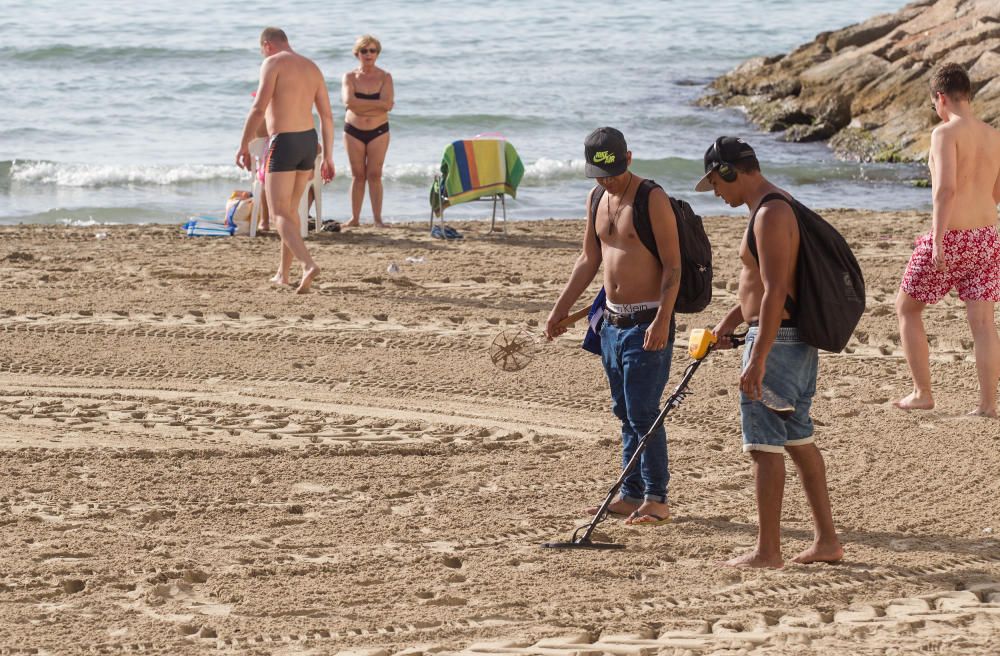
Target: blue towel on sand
{"points": [[207, 226]]}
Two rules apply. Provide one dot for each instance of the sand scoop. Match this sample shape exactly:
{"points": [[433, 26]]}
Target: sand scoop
{"points": [[701, 343], [515, 348]]}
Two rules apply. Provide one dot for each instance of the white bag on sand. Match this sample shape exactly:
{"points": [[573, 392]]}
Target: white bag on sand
{"points": [[238, 211]]}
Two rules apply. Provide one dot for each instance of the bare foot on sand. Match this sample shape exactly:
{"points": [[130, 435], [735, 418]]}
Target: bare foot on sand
{"points": [[278, 279], [979, 412], [915, 401], [381, 224], [755, 559], [618, 507], [308, 276], [650, 513], [353, 223], [820, 553]]}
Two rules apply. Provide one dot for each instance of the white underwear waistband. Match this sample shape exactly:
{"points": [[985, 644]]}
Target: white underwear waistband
{"points": [[630, 308]]}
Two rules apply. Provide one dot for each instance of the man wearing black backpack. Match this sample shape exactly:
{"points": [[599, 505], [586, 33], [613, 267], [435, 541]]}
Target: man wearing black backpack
{"points": [[638, 329], [779, 369]]}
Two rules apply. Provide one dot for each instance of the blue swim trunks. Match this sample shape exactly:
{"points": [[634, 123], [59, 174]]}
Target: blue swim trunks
{"points": [[791, 374]]}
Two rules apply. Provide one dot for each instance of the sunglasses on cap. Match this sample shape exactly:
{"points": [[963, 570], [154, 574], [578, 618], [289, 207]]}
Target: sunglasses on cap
{"points": [[367, 51]]}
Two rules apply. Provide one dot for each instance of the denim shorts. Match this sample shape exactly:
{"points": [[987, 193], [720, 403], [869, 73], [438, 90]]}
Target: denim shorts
{"points": [[791, 374]]}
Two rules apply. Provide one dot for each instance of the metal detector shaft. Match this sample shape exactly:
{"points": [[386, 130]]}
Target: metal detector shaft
{"points": [[702, 343], [573, 318], [673, 401]]}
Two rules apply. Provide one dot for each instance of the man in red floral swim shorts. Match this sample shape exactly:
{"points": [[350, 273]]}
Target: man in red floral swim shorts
{"points": [[962, 251]]}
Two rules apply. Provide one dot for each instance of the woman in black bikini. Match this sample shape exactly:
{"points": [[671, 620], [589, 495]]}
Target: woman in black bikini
{"points": [[368, 96]]}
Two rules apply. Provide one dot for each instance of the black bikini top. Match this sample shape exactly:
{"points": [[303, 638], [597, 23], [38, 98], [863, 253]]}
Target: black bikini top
{"points": [[370, 96]]}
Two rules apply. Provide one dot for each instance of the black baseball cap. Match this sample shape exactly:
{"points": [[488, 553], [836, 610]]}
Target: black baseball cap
{"points": [[725, 149], [604, 151]]}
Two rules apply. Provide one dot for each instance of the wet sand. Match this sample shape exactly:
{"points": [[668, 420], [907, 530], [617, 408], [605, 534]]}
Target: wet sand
{"points": [[195, 461]]}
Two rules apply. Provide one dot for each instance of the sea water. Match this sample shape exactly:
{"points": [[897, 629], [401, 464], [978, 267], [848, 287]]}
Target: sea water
{"points": [[129, 112]]}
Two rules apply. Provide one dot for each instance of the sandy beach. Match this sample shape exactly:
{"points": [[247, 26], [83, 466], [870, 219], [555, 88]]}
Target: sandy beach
{"points": [[197, 462]]}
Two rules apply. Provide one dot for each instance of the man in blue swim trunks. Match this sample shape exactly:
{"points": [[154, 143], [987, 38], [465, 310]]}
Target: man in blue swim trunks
{"points": [[779, 370], [290, 85]]}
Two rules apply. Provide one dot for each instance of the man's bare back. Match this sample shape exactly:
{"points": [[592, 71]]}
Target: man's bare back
{"points": [[976, 150], [631, 273], [295, 82]]}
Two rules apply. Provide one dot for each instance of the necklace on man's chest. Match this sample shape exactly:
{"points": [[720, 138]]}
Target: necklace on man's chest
{"points": [[621, 203]]}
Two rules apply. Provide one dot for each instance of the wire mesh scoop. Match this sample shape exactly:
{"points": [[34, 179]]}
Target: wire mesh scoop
{"points": [[514, 349]]}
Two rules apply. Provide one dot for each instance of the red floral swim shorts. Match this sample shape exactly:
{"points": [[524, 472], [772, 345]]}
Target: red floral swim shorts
{"points": [[973, 269]]}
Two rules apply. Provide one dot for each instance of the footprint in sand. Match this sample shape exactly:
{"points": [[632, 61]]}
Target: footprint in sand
{"points": [[445, 600]]}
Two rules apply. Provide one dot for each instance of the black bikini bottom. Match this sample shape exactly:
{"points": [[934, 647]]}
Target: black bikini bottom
{"points": [[365, 136]]}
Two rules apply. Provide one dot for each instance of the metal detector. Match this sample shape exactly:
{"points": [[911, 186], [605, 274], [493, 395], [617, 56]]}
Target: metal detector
{"points": [[700, 344]]}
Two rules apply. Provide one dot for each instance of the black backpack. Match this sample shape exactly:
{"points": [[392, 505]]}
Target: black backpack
{"points": [[695, 292], [830, 290]]}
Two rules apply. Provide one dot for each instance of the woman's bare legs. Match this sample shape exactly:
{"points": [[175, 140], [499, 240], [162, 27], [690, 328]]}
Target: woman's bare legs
{"points": [[356, 155], [376, 151]]}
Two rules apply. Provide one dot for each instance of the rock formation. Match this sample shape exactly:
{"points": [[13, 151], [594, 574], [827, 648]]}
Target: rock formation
{"points": [[865, 87]]}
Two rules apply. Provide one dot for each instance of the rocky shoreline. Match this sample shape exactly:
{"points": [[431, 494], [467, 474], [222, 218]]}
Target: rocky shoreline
{"points": [[865, 87]]}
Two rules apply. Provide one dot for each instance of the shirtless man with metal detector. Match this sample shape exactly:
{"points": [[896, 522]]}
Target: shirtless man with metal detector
{"points": [[290, 85], [637, 335], [774, 354]]}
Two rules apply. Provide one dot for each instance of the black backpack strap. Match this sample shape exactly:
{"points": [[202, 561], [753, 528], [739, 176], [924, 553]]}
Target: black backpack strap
{"points": [[596, 194], [752, 238], [640, 216]]}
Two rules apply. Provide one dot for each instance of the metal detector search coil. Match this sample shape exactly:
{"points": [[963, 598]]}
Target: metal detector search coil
{"points": [[514, 349]]}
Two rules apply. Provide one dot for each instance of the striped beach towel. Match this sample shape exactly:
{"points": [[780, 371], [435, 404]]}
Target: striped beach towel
{"points": [[474, 168]]}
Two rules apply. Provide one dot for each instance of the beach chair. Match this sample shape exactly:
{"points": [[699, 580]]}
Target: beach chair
{"points": [[258, 151], [486, 169]]}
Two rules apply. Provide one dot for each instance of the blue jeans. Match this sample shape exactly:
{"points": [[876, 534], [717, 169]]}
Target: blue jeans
{"points": [[637, 378]]}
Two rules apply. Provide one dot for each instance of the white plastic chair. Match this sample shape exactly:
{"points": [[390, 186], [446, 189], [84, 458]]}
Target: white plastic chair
{"points": [[258, 150], [317, 186]]}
